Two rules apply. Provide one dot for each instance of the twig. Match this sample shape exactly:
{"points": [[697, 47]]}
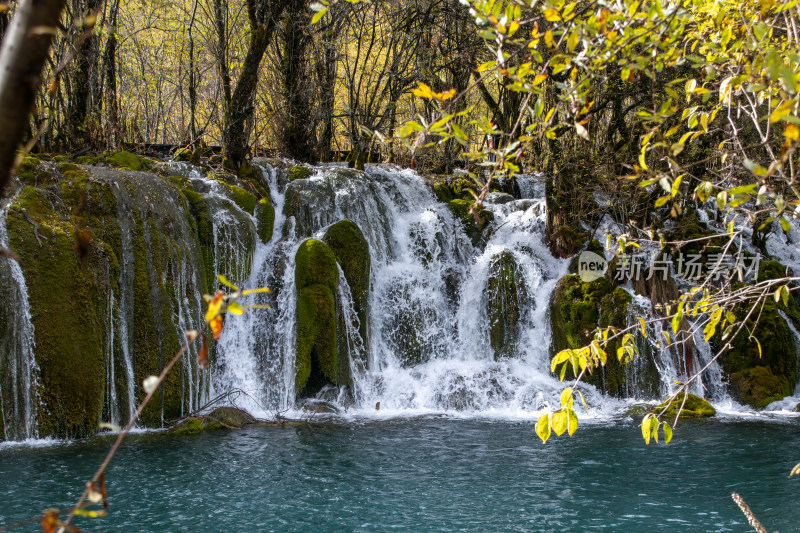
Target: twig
{"points": [[124, 433], [751, 518]]}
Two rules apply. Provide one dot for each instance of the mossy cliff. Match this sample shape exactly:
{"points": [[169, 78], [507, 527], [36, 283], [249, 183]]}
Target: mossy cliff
{"points": [[66, 296], [115, 262], [316, 282], [351, 250], [507, 300], [760, 377], [577, 309]]}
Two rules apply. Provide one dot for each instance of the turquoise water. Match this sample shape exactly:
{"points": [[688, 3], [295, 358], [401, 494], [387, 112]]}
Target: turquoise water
{"points": [[422, 475]]}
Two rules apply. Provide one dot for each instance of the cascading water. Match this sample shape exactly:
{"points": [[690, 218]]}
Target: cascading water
{"points": [[432, 291], [18, 392]]}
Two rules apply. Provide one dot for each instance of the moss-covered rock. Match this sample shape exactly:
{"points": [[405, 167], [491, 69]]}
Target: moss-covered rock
{"points": [[191, 426], [67, 303], [577, 309], [760, 376], [693, 407], [129, 161], [758, 386], [316, 282], [244, 199], [351, 250], [299, 172], [265, 215], [474, 228], [219, 418], [183, 154], [507, 296]]}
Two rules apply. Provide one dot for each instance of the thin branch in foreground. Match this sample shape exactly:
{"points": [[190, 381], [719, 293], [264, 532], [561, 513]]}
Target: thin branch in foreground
{"points": [[751, 518]]}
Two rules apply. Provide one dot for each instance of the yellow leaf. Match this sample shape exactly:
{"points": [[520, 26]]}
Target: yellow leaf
{"points": [[560, 422], [543, 427], [791, 132], [539, 79], [548, 38], [214, 306], [423, 91], [551, 15]]}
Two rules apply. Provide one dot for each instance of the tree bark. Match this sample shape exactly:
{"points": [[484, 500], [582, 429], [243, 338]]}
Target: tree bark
{"points": [[22, 57], [84, 100], [112, 133], [299, 127], [263, 16]]}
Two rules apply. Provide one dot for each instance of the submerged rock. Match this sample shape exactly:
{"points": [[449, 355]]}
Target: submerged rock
{"points": [[219, 418], [693, 407]]}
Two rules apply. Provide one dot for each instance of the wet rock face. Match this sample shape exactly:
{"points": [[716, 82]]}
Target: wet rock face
{"points": [[115, 262], [316, 282], [507, 300], [312, 203], [577, 309]]}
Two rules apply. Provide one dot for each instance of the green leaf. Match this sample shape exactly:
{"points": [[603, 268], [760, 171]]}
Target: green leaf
{"points": [[318, 15], [785, 226], [224, 281], [543, 427]]}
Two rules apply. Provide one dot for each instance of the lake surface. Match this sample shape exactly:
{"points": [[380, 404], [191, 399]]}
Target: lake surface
{"points": [[422, 474]]}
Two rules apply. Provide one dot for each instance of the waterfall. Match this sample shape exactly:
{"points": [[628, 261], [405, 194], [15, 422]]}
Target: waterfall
{"points": [[428, 348], [254, 352], [19, 390], [126, 294]]}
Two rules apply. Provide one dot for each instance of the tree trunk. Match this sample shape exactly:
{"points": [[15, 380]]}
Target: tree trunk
{"points": [[327, 88], [299, 128], [263, 16], [112, 133], [222, 60], [192, 80], [83, 103], [22, 57]]}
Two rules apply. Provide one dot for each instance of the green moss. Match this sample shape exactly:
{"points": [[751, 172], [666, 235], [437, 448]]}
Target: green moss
{"points": [[771, 270], [129, 161], [506, 298], [183, 154], [245, 200], [265, 215], [66, 297], [577, 310], [474, 228], [759, 386], [443, 192], [191, 427], [351, 250], [755, 375], [316, 281], [694, 407], [299, 172]]}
